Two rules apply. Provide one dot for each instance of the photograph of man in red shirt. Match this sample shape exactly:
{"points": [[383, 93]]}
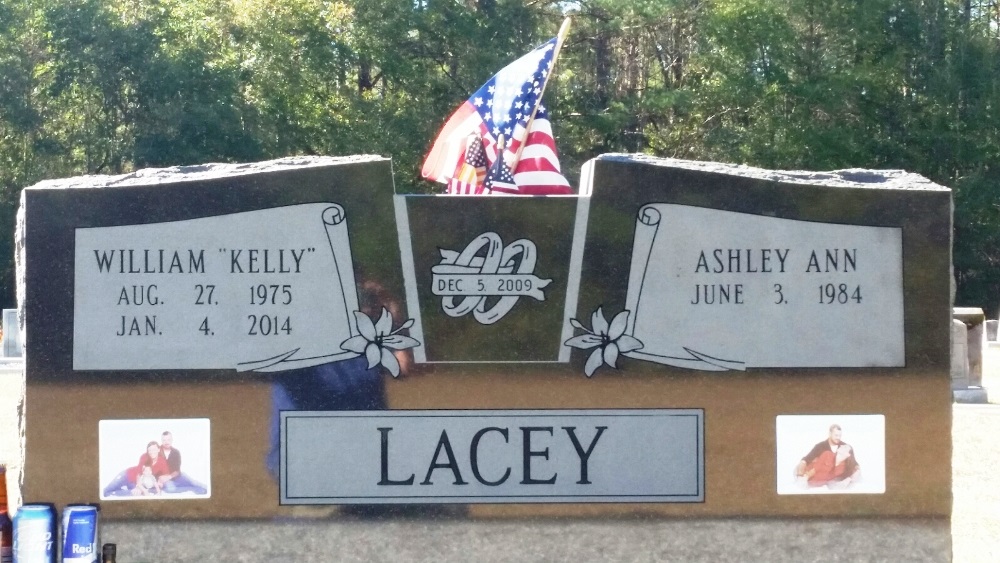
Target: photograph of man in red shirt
{"points": [[830, 463]]}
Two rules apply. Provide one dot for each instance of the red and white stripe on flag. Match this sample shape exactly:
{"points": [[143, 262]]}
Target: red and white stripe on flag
{"points": [[449, 146], [538, 172]]}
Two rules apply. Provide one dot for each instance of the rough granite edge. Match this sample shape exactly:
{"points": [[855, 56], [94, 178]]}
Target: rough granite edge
{"points": [[847, 178], [14, 485], [197, 172]]}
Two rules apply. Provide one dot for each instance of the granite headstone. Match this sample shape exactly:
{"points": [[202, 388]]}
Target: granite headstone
{"points": [[680, 338]]}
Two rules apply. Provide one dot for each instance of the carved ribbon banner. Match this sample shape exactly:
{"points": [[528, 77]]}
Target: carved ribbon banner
{"points": [[486, 269]]}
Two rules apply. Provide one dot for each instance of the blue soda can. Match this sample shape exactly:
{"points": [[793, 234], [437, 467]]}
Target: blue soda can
{"points": [[79, 525], [35, 534]]}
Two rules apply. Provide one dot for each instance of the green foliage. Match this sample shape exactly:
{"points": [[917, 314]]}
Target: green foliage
{"points": [[95, 86]]}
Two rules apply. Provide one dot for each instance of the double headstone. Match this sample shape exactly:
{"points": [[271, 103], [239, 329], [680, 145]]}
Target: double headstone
{"points": [[680, 339]]}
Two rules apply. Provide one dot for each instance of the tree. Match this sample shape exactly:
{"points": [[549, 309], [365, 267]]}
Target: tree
{"points": [[94, 86]]}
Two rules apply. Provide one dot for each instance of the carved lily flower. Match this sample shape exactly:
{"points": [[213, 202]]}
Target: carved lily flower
{"points": [[377, 343], [610, 340]]}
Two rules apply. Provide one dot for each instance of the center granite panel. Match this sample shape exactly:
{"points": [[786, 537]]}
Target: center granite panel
{"points": [[680, 338]]}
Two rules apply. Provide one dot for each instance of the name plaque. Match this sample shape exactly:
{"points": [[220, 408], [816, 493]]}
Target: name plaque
{"points": [[498, 456]]}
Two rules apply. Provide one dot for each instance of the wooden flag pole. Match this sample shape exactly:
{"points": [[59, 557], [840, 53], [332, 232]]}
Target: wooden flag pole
{"points": [[563, 32]]}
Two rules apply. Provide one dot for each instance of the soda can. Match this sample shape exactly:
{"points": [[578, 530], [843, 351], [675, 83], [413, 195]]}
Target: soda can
{"points": [[35, 534], [79, 525]]}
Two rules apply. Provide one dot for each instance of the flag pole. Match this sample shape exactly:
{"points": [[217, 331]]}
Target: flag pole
{"points": [[563, 32], [502, 146]]}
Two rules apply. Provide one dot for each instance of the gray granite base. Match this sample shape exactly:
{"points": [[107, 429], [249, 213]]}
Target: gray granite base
{"points": [[688, 540], [971, 395]]}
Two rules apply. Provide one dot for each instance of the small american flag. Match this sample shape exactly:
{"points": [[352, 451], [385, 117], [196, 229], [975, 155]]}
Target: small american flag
{"points": [[471, 172], [499, 179], [507, 105]]}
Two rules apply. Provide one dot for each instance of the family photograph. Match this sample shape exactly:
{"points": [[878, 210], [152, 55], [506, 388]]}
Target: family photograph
{"points": [[137, 462]]}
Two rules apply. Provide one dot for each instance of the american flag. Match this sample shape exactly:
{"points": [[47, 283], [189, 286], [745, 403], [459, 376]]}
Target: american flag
{"points": [[538, 171], [500, 179], [468, 179], [504, 106]]}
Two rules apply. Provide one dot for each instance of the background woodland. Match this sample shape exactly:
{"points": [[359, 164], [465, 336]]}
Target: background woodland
{"points": [[106, 87]]}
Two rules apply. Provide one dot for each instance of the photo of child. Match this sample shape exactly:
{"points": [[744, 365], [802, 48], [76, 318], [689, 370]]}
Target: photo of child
{"points": [[148, 483]]}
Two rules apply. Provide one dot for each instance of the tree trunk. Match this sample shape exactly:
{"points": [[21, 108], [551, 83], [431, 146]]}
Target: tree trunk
{"points": [[364, 75]]}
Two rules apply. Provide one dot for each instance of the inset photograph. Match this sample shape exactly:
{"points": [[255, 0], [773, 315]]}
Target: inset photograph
{"points": [[830, 454], [142, 459]]}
